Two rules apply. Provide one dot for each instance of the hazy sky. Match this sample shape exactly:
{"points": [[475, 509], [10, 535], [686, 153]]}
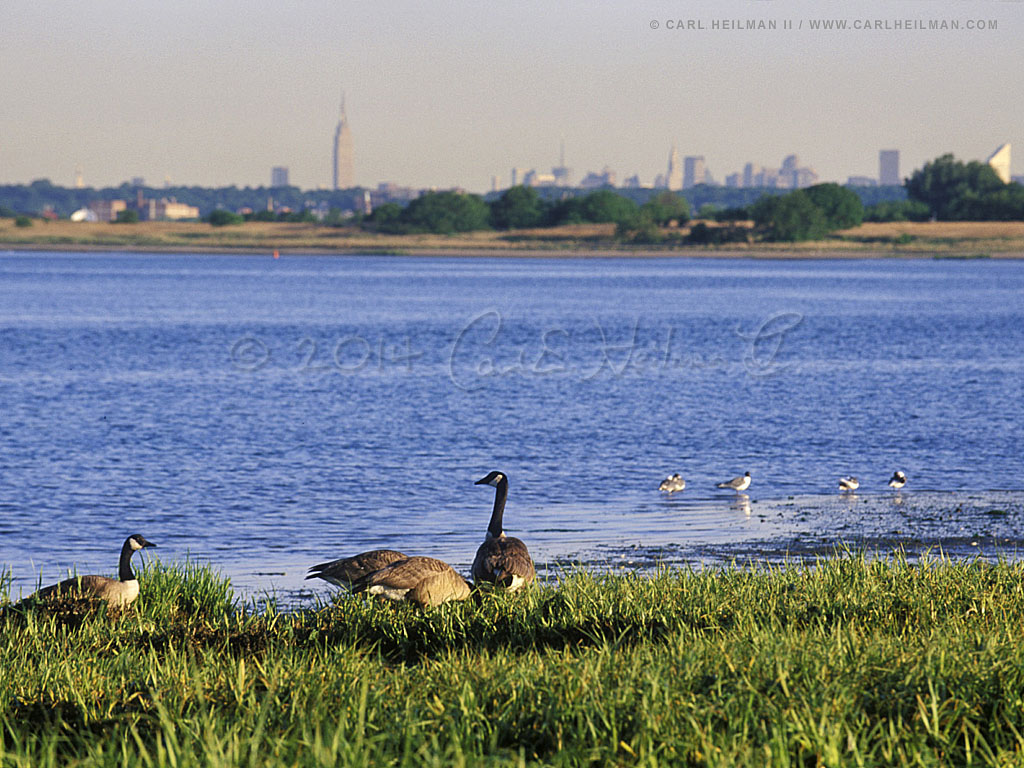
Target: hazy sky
{"points": [[450, 93]]}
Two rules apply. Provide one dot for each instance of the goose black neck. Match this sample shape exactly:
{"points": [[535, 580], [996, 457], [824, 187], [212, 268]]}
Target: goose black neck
{"points": [[124, 571], [500, 494]]}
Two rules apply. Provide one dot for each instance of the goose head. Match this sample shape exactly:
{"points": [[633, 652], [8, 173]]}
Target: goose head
{"points": [[137, 541], [492, 478]]}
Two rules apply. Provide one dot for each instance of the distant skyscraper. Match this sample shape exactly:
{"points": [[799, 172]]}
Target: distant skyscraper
{"points": [[749, 172], [344, 177], [889, 167], [693, 171], [562, 173], [279, 176], [674, 177], [1000, 162]]}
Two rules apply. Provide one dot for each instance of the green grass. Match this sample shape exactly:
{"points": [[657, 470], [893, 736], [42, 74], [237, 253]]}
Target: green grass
{"points": [[854, 661]]}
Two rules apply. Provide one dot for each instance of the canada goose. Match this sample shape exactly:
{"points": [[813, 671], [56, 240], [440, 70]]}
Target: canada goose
{"points": [[348, 570], [119, 592], [501, 559], [898, 480], [737, 483], [672, 483], [421, 580], [849, 483]]}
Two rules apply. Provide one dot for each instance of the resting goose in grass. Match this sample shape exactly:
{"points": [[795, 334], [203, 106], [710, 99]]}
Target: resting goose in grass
{"points": [[738, 484], [849, 483], [424, 581], [672, 483], [348, 570], [119, 592], [501, 560], [898, 480]]}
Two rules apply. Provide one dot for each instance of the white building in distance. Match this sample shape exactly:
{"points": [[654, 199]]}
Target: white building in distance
{"points": [[674, 177], [1000, 162]]}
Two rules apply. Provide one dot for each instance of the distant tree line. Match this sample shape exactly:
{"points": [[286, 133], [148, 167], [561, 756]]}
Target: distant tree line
{"points": [[523, 208], [944, 189], [32, 199]]}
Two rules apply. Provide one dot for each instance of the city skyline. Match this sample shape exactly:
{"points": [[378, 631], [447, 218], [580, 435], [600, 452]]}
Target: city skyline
{"points": [[447, 97]]}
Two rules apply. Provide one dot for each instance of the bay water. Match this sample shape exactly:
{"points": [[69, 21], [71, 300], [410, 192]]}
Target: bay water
{"points": [[264, 414]]}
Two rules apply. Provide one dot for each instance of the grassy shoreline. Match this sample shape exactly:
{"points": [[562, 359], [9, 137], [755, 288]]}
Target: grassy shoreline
{"points": [[852, 661], [868, 241]]}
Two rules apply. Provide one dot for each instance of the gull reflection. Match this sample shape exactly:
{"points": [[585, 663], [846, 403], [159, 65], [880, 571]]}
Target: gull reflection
{"points": [[741, 504]]}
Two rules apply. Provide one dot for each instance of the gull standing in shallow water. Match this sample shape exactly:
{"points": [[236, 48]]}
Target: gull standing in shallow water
{"points": [[849, 483], [737, 484], [672, 483], [501, 560], [898, 480]]}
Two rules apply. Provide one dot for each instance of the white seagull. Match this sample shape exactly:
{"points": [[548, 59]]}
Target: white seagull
{"points": [[672, 483], [737, 483], [898, 480]]}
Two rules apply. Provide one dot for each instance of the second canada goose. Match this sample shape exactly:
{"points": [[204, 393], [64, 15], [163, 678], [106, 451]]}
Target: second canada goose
{"points": [[348, 570], [672, 483], [849, 483], [119, 592], [898, 480], [425, 581], [738, 484], [501, 559]]}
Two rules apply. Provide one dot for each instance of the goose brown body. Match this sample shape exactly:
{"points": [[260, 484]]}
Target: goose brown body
{"points": [[345, 571], [119, 592], [501, 560], [424, 581]]}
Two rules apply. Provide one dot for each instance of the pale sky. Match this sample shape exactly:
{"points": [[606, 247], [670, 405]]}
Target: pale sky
{"points": [[450, 93]]}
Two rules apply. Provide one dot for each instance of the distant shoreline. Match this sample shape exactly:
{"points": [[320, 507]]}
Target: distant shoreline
{"points": [[820, 254], [895, 240]]}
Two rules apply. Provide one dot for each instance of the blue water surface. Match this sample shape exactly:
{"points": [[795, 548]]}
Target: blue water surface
{"points": [[265, 414]]}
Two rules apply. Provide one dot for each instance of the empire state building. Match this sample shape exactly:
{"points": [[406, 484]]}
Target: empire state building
{"points": [[344, 178]]}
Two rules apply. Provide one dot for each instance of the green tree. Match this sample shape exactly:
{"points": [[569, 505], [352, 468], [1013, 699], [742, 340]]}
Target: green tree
{"points": [[127, 216], [640, 229], [446, 212], [841, 206], [790, 218], [953, 190], [898, 210], [666, 207], [222, 218], [604, 206], [517, 208], [386, 218], [567, 211]]}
